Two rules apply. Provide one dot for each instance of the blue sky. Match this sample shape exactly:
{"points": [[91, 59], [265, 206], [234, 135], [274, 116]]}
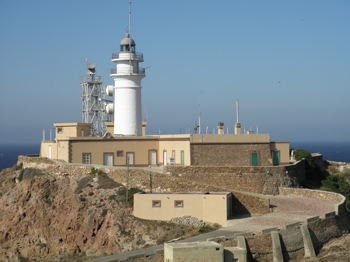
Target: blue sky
{"points": [[287, 62]]}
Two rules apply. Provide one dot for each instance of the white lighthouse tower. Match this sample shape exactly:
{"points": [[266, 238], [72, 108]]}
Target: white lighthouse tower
{"points": [[127, 88]]}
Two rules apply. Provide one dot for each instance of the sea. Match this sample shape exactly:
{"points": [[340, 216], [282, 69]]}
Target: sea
{"points": [[334, 151], [9, 153]]}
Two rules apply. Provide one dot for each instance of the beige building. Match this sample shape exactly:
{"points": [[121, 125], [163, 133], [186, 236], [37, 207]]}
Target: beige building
{"points": [[213, 207], [73, 144]]}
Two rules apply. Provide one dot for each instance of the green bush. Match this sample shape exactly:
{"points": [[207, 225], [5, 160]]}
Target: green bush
{"points": [[94, 171], [301, 153], [208, 228], [131, 193], [18, 167], [337, 184]]}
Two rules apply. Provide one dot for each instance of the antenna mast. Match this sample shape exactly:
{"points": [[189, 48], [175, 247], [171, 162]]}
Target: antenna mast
{"points": [[129, 29], [199, 116], [94, 103], [237, 111], [238, 124]]}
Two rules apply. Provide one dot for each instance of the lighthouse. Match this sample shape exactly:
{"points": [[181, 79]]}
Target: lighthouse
{"points": [[127, 77]]}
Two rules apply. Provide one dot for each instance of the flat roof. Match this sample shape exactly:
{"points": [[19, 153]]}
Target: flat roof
{"points": [[193, 244], [186, 193]]}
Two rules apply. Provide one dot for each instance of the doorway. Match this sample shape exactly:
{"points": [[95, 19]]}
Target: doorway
{"points": [[108, 159], [152, 157]]}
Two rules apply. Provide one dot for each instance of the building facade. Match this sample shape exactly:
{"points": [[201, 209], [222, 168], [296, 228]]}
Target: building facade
{"points": [[213, 207], [73, 144]]}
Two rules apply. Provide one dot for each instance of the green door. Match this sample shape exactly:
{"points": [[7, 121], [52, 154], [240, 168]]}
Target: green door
{"points": [[275, 158], [254, 159], [182, 157]]}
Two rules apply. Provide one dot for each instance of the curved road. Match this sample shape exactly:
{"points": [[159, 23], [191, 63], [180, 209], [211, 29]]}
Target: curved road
{"points": [[285, 210], [151, 250]]}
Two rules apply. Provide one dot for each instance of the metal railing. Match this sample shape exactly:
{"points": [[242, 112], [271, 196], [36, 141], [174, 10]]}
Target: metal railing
{"points": [[127, 71], [89, 79], [138, 56]]}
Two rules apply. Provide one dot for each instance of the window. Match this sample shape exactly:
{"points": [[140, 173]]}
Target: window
{"points": [[178, 203], [164, 158], [86, 158], [182, 157], [156, 203], [59, 130], [120, 153]]}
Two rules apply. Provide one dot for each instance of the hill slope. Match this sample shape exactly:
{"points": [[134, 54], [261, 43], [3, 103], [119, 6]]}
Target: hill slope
{"points": [[47, 217]]}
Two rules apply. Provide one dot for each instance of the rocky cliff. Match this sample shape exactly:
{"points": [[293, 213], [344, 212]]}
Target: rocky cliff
{"points": [[50, 217]]}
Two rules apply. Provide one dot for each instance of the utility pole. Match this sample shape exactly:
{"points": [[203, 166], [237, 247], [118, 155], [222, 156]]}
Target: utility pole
{"points": [[127, 180], [150, 183]]}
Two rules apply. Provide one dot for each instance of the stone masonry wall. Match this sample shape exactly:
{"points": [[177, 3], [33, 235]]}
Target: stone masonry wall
{"points": [[318, 161], [229, 154], [243, 203], [261, 180], [322, 229], [339, 209]]}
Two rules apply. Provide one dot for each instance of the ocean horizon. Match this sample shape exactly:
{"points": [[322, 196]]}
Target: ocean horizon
{"points": [[333, 151]]}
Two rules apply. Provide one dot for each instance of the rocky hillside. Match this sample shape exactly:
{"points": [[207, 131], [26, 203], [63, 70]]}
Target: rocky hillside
{"points": [[50, 217]]}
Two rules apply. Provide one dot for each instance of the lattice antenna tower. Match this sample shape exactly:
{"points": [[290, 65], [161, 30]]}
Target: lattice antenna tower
{"points": [[95, 108]]}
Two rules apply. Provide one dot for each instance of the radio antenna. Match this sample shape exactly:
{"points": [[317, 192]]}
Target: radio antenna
{"points": [[129, 32], [129, 29], [237, 112]]}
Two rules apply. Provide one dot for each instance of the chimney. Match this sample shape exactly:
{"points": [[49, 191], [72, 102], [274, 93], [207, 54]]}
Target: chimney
{"points": [[221, 126], [144, 124], [237, 128]]}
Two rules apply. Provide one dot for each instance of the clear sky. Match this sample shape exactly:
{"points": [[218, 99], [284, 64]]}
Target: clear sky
{"points": [[287, 62]]}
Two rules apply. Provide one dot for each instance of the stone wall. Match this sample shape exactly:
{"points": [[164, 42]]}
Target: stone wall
{"points": [[340, 211], [318, 161], [230, 154], [261, 180], [243, 202], [319, 194], [321, 229]]}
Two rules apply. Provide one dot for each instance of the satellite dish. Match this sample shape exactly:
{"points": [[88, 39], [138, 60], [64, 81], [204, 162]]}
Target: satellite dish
{"points": [[91, 66], [109, 90], [108, 135], [110, 108]]}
